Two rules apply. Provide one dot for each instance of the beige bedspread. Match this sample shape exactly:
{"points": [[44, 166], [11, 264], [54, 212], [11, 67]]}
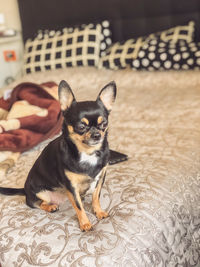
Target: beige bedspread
{"points": [[153, 199]]}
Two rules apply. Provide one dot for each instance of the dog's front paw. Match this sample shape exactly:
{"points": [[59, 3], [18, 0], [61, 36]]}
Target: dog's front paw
{"points": [[101, 214], [86, 227]]}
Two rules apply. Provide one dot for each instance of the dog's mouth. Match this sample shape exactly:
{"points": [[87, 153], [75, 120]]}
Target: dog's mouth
{"points": [[92, 142]]}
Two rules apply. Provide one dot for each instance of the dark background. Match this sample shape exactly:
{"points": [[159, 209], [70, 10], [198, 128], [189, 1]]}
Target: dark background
{"points": [[129, 18]]}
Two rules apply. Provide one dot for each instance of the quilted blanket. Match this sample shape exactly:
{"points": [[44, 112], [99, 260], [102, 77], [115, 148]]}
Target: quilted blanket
{"points": [[153, 199]]}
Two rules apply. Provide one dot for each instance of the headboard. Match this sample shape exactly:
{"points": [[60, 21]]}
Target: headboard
{"points": [[129, 18]]}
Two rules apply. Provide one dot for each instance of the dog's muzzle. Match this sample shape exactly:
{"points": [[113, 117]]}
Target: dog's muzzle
{"points": [[95, 137]]}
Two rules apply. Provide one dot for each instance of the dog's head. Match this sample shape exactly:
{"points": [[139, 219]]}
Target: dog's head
{"points": [[86, 123]]}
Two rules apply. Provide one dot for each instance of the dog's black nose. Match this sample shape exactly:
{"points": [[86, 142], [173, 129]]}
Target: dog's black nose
{"points": [[96, 136]]}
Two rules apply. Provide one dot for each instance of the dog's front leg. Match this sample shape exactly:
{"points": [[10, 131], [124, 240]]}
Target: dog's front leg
{"points": [[76, 202], [100, 214]]}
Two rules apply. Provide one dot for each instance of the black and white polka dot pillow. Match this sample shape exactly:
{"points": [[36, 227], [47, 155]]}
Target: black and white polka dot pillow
{"points": [[106, 37], [159, 55], [69, 47], [121, 55]]}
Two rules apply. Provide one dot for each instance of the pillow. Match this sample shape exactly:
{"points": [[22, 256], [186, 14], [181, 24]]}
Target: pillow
{"points": [[176, 34], [121, 54], [69, 47], [160, 55]]}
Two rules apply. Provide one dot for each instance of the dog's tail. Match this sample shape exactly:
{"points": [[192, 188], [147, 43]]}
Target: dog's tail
{"points": [[12, 191]]}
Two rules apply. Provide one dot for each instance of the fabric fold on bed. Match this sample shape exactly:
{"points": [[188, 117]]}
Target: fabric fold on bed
{"points": [[30, 116], [33, 115]]}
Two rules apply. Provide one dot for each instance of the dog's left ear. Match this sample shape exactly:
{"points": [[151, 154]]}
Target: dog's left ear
{"points": [[66, 96], [107, 95]]}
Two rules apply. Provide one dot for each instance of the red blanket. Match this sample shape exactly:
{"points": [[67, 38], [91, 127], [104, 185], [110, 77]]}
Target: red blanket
{"points": [[31, 115]]}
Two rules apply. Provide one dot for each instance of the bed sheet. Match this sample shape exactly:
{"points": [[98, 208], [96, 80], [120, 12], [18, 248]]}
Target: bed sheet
{"points": [[153, 199]]}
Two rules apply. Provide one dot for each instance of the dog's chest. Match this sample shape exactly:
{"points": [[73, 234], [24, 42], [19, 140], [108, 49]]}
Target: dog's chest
{"points": [[88, 159]]}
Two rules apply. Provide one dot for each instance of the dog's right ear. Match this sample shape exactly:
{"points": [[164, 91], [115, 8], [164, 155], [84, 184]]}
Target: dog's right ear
{"points": [[66, 96]]}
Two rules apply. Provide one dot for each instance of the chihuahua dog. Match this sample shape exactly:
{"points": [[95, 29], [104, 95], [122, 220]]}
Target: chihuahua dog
{"points": [[74, 163]]}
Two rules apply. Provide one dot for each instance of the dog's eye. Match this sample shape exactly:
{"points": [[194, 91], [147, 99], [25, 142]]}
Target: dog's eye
{"points": [[103, 125], [81, 127]]}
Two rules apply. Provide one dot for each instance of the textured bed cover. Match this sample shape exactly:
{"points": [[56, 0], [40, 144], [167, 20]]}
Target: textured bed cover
{"points": [[153, 198]]}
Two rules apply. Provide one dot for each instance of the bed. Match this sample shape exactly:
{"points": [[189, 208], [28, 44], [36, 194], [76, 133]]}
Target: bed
{"points": [[152, 198]]}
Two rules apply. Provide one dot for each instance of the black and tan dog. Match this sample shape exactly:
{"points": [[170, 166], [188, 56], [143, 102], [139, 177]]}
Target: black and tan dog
{"points": [[74, 163]]}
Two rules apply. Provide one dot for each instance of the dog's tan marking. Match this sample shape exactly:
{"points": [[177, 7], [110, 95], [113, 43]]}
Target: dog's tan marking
{"points": [[85, 120], [48, 207], [100, 119], [103, 132], [79, 139], [80, 182], [70, 129], [44, 195], [95, 198], [84, 222]]}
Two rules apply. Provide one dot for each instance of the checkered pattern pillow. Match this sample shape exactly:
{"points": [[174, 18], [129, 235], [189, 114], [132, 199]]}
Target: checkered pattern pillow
{"points": [[69, 47], [120, 55], [160, 55], [176, 34]]}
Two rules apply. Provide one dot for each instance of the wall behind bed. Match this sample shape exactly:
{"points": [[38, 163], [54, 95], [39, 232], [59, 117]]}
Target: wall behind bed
{"points": [[129, 18]]}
